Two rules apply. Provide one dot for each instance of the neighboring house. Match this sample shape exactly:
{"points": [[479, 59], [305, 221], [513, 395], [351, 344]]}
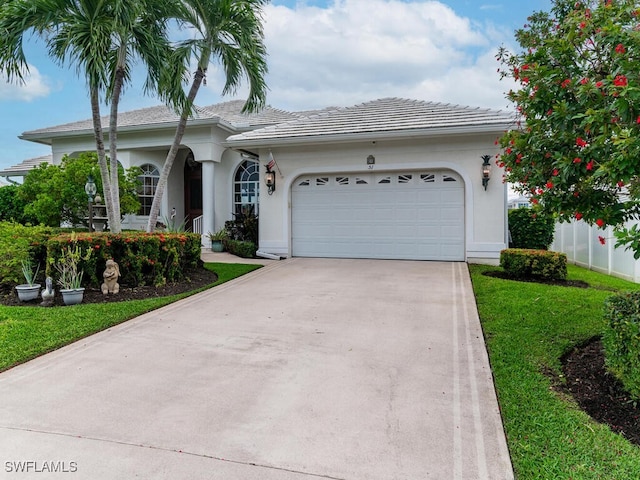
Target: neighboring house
{"points": [[519, 202], [390, 178], [21, 170]]}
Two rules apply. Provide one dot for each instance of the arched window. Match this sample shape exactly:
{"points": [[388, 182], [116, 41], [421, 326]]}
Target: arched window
{"points": [[149, 182], [246, 188]]}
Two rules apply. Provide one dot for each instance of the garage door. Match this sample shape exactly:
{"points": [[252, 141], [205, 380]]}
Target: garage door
{"points": [[408, 215]]}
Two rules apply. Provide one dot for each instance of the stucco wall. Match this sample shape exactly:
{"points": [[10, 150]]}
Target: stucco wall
{"points": [[485, 211]]}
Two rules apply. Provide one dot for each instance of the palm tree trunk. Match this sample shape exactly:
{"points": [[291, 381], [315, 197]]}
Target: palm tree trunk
{"points": [[116, 227], [102, 158], [173, 151]]}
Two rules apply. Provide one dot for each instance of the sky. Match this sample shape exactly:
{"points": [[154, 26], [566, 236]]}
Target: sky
{"points": [[320, 53]]}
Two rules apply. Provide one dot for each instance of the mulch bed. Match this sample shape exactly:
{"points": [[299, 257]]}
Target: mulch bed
{"points": [[195, 279], [598, 392], [562, 283], [595, 390]]}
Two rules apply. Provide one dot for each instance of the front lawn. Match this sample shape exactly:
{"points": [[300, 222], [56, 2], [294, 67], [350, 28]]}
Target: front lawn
{"points": [[528, 327], [27, 332]]}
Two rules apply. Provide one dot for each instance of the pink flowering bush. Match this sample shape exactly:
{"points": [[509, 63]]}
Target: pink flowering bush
{"points": [[576, 147]]}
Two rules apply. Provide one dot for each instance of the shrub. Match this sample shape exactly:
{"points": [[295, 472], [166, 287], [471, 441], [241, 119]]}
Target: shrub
{"points": [[18, 244], [530, 229], [244, 226], [144, 258], [524, 263], [240, 248], [621, 340]]}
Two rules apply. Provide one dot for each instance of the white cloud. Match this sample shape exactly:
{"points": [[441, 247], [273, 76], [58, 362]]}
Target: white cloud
{"points": [[35, 86], [359, 50]]}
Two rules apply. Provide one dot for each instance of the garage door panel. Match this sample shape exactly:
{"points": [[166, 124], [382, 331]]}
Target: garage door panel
{"points": [[414, 215]]}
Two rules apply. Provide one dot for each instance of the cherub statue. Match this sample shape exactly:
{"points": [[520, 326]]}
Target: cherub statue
{"points": [[111, 274]]}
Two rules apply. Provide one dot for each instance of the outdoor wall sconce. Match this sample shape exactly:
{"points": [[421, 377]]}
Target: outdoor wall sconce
{"points": [[486, 170], [270, 180]]}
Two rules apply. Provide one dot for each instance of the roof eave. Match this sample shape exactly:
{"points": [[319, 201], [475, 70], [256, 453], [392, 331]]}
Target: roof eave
{"points": [[497, 128], [47, 138]]}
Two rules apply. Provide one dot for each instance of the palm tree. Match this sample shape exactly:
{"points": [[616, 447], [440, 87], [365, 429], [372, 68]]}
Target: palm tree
{"points": [[230, 30], [101, 38]]}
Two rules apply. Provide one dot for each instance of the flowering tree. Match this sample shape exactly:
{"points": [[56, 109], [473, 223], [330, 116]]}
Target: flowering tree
{"points": [[577, 151]]}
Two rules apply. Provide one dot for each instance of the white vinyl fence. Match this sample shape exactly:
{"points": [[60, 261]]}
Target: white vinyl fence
{"points": [[581, 244]]}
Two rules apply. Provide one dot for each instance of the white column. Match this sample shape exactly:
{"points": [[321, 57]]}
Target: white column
{"points": [[208, 200]]}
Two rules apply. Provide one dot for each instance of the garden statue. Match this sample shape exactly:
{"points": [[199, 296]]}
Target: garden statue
{"points": [[48, 293], [111, 274]]}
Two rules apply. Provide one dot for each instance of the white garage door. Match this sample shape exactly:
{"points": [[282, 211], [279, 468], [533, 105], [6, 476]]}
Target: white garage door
{"points": [[408, 215]]}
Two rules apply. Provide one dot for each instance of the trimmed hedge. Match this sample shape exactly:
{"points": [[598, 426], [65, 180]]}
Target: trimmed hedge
{"points": [[17, 244], [524, 263], [242, 249], [144, 258], [621, 340], [530, 229]]}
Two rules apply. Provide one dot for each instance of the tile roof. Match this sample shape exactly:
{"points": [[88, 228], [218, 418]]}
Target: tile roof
{"points": [[228, 112], [25, 166], [387, 116]]}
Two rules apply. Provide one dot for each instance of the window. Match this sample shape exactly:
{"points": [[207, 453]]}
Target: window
{"points": [[149, 183], [246, 187]]}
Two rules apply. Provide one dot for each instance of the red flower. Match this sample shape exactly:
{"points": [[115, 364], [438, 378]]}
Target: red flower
{"points": [[620, 48], [584, 81], [599, 84], [97, 247], [581, 142], [590, 165], [566, 83], [620, 81], [638, 120], [600, 222], [620, 184], [508, 151], [549, 184], [601, 239], [578, 216], [577, 160], [556, 172], [534, 201]]}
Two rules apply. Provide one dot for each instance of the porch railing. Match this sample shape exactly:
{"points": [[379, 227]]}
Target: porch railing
{"points": [[197, 225]]}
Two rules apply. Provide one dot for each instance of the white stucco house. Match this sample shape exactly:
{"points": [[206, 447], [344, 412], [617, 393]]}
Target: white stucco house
{"points": [[390, 179]]}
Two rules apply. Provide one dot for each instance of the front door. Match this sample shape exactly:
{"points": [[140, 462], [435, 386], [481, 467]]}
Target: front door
{"points": [[192, 191]]}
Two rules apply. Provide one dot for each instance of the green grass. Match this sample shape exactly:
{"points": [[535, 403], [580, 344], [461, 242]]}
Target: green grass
{"points": [[528, 327], [27, 332]]}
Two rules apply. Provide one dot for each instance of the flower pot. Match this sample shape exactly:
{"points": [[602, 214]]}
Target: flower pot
{"points": [[27, 293], [72, 296], [217, 246]]}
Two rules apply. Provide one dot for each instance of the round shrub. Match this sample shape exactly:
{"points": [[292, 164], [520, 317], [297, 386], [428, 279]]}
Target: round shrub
{"points": [[526, 263]]}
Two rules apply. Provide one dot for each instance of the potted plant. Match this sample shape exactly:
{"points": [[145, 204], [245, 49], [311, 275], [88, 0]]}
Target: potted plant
{"points": [[70, 279], [28, 291], [217, 240]]}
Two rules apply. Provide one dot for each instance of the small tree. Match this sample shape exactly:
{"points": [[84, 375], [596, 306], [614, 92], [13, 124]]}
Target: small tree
{"points": [[54, 194], [577, 146], [12, 206]]}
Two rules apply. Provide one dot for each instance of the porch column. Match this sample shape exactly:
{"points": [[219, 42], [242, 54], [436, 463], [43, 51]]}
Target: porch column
{"points": [[208, 200]]}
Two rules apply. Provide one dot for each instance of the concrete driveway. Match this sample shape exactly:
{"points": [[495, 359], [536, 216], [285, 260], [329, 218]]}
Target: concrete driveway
{"points": [[307, 368]]}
